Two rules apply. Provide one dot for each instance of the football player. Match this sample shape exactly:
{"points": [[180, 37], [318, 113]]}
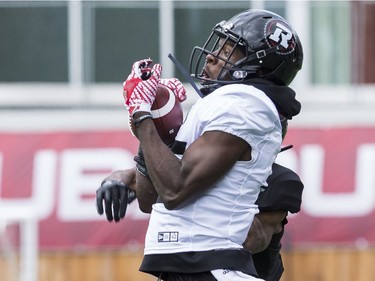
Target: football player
{"points": [[203, 190]]}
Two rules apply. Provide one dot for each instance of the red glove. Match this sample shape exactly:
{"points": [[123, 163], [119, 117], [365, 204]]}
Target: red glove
{"points": [[139, 89], [176, 86]]}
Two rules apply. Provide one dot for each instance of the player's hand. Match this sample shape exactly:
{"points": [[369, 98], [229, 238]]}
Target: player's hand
{"points": [[116, 196], [176, 87], [140, 87]]}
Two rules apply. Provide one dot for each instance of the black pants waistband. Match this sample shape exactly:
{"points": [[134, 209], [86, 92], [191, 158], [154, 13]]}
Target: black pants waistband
{"points": [[172, 276]]}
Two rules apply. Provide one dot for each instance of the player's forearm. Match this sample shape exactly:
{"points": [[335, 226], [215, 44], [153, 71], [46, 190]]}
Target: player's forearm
{"points": [[258, 237], [146, 193], [263, 227], [162, 165], [126, 176]]}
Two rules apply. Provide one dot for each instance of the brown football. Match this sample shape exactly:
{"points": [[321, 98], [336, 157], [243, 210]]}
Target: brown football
{"points": [[167, 114]]}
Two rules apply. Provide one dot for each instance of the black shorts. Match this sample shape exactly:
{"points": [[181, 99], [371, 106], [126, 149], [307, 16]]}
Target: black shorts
{"points": [[201, 276]]}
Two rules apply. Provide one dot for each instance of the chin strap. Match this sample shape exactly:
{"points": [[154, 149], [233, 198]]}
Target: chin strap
{"points": [[185, 74], [208, 89], [286, 147]]}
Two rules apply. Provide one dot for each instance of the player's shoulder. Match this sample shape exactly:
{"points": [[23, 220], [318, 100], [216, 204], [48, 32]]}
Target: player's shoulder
{"points": [[284, 191], [283, 178], [280, 172]]}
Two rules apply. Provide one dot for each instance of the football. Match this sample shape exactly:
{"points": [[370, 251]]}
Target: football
{"points": [[166, 113]]}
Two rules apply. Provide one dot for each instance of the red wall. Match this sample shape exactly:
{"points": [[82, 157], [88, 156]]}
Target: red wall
{"points": [[56, 175]]}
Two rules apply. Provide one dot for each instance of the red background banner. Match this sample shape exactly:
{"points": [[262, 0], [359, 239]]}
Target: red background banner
{"points": [[56, 176]]}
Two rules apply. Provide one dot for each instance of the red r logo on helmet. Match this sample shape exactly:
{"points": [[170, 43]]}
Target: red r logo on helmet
{"points": [[279, 34]]}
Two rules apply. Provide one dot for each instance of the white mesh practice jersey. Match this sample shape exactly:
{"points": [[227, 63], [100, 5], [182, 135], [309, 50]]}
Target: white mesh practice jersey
{"points": [[220, 218]]}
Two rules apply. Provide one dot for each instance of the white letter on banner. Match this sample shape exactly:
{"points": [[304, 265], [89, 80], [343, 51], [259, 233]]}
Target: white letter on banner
{"points": [[41, 202], [77, 181], [44, 182], [360, 202]]}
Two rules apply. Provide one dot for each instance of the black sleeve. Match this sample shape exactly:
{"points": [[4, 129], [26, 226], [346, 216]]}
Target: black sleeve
{"points": [[284, 191], [269, 263]]}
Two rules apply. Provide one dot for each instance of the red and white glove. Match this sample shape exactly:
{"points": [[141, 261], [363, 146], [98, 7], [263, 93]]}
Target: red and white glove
{"points": [[176, 86], [139, 89]]}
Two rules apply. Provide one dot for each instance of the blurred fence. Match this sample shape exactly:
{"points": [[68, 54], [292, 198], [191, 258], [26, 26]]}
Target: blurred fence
{"points": [[315, 264]]}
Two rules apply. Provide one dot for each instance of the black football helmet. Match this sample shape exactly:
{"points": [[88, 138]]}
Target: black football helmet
{"points": [[271, 48]]}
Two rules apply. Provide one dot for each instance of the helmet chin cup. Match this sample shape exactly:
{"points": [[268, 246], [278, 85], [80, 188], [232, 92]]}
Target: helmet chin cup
{"points": [[239, 74]]}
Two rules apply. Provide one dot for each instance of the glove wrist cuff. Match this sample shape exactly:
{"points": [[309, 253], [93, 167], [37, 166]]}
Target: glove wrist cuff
{"points": [[144, 107]]}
